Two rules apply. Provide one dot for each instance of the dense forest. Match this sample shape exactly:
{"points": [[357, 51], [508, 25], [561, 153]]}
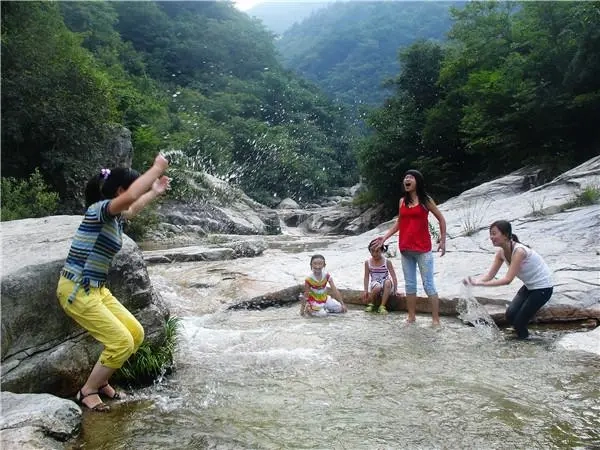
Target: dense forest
{"points": [[198, 79], [350, 49], [516, 84], [512, 84]]}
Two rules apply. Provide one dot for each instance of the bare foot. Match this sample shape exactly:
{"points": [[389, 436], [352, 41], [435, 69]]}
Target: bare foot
{"points": [[410, 321], [436, 323]]}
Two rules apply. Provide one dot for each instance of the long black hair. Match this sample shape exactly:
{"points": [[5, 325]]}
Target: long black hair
{"points": [[104, 184], [505, 228], [422, 195]]}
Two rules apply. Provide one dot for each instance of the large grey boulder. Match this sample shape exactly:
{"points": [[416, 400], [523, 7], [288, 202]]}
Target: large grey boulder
{"points": [[43, 350], [37, 421]]}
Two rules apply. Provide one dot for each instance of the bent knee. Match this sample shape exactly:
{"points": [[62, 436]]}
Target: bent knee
{"points": [[117, 350], [137, 334]]}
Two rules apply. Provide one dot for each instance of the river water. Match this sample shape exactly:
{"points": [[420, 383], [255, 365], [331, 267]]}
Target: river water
{"points": [[271, 379]]}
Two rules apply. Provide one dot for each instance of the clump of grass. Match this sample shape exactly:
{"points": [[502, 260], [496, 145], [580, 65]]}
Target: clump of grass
{"points": [[473, 215], [151, 361], [590, 195], [537, 206]]}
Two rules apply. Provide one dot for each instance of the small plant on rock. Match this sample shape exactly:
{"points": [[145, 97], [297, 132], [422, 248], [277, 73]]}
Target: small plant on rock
{"points": [[473, 216], [151, 361]]}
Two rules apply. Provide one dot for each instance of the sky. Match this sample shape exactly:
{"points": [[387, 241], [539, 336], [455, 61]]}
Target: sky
{"points": [[245, 5]]}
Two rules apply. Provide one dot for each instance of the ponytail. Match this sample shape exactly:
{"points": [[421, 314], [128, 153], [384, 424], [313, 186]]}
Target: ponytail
{"points": [[93, 190]]}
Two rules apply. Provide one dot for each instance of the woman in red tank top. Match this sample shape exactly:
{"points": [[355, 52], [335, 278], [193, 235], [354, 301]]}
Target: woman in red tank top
{"points": [[414, 242]]}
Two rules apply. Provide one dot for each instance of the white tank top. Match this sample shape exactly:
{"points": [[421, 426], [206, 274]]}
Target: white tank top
{"points": [[534, 273], [378, 273]]}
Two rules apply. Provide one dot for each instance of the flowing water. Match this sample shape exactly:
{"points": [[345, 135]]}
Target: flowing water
{"points": [[470, 311], [271, 379]]}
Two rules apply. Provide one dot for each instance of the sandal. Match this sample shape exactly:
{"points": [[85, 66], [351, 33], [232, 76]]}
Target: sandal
{"points": [[99, 407], [116, 396]]}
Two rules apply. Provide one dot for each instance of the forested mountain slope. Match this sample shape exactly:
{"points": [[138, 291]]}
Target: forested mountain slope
{"points": [[349, 49], [198, 79]]}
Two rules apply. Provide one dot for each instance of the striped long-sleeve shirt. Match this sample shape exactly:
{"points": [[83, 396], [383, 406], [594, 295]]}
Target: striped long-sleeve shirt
{"points": [[96, 242]]}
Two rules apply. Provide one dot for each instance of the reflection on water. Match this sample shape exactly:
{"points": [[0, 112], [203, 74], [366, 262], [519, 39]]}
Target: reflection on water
{"points": [[271, 379]]}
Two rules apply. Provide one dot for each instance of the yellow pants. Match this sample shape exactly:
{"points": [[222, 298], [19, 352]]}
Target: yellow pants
{"points": [[109, 322]]}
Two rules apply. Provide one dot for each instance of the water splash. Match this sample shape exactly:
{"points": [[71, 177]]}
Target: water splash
{"points": [[472, 312]]}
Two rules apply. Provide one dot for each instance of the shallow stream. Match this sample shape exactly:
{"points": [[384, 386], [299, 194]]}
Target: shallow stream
{"points": [[271, 379]]}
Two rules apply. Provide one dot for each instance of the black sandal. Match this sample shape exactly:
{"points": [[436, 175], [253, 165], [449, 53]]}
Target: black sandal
{"points": [[117, 395], [100, 407]]}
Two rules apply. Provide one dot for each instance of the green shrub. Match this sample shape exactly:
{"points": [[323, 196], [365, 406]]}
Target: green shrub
{"points": [[151, 361], [138, 227], [27, 198], [588, 196]]}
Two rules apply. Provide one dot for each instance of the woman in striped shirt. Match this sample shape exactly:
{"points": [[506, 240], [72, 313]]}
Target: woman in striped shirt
{"points": [[111, 196]]}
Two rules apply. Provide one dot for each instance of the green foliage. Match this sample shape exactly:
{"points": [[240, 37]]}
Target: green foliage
{"points": [[199, 78], [151, 361], [56, 103], [512, 87], [590, 195], [27, 198], [349, 49], [138, 227]]}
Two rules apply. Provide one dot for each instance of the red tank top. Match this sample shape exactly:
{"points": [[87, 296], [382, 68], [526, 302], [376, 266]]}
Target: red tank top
{"points": [[414, 229]]}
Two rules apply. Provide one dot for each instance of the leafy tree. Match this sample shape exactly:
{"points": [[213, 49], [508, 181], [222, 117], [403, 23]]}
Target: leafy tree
{"points": [[27, 198], [55, 102]]}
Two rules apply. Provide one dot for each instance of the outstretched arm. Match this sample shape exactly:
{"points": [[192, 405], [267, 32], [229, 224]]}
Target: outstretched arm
{"points": [[431, 206], [336, 294], [513, 269], [394, 229], [366, 282], [159, 187], [139, 187], [392, 272], [303, 300]]}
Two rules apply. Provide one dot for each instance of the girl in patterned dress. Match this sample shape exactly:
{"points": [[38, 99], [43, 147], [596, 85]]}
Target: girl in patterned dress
{"points": [[315, 301]]}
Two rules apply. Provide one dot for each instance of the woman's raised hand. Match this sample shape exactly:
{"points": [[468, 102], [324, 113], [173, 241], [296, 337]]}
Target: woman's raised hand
{"points": [[161, 185], [161, 162]]}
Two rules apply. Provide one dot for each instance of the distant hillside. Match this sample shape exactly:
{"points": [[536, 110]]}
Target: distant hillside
{"points": [[279, 16], [349, 49]]}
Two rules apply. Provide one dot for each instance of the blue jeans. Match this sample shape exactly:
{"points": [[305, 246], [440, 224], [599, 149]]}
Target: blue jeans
{"points": [[410, 260], [524, 306]]}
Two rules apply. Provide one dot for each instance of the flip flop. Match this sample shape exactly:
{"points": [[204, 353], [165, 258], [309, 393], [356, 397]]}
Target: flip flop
{"points": [[117, 395], [100, 407]]}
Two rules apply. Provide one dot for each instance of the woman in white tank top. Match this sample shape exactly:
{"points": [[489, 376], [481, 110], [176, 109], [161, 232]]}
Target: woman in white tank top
{"points": [[523, 263]]}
